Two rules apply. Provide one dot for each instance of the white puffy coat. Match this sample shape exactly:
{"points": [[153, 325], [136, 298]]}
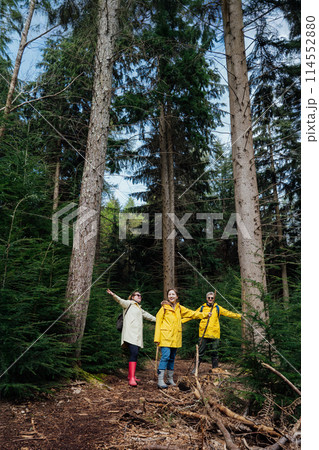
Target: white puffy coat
{"points": [[132, 331]]}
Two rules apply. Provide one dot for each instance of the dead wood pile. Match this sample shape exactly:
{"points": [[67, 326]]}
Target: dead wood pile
{"points": [[198, 401]]}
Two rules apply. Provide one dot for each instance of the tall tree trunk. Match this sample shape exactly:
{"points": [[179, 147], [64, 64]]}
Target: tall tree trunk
{"points": [[56, 192], [84, 244], [284, 276], [56, 181], [171, 189], [168, 205], [14, 78], [250, 248]]}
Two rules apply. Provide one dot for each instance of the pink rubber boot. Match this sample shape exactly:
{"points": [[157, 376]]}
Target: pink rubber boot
{"points": [[131, 373]]}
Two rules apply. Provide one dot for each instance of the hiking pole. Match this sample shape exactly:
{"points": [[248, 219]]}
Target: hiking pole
{"points": [[196, 361], [156, 358]]}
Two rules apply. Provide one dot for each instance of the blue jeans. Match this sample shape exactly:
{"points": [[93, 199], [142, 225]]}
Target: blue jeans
{"points": [[168, 358]]}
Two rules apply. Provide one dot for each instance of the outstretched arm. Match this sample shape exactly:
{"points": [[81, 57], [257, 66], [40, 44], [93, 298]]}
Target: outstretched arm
{"points": [[189, 314], [225, 312], [124, 303], [148, 316]]}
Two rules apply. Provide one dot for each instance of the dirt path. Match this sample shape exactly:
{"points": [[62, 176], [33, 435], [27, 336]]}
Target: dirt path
{"points": [[86, 416]]}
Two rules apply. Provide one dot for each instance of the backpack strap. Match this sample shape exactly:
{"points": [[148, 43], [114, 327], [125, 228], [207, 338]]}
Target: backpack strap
{"points": [[124, 313], [217, 307]]}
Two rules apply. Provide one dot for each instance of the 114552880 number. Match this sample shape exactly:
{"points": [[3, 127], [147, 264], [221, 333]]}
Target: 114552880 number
{"points": [[310, 49]]}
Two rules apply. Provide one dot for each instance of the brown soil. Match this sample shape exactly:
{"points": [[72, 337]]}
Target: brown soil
{"points": [[113, 415], [83, 415]]}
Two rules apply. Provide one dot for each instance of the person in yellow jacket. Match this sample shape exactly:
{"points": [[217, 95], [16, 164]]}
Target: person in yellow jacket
{"points": [[210, 334], [168, 333]]}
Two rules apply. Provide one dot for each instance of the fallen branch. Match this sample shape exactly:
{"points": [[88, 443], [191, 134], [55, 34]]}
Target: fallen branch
{"points": [[282, 441], [283, 377], [180, 411], [169, 396], [239, 418], [178, 401], [254, 447], [229, 443], [235, 416], [161, 447], [192, 414]]}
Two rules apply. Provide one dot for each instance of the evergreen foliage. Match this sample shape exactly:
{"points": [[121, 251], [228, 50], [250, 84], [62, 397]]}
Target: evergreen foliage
{"points": [[284, 336], [275, 71], [33, 276], [161, 60]]}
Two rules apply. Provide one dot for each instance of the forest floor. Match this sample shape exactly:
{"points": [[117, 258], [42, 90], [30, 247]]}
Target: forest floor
{"points": [[83, 415]]}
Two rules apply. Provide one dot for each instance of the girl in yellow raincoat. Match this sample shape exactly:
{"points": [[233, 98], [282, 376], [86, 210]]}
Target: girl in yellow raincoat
{"points": [[168, 333]]}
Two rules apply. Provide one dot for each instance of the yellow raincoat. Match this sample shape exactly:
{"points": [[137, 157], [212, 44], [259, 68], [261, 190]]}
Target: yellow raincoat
{"points": [[168, 328], [213, 329]]}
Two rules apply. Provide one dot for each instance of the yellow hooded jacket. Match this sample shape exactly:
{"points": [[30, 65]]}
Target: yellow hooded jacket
{"points": [[213, 329], [168, 328]]}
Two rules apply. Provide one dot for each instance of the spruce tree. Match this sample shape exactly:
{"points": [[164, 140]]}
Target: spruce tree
{"points": [[275, 69], [170, 102], [33, 272]]}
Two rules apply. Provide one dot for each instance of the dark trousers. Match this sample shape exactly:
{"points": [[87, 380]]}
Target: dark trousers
{"points": [[133, 350], [213, 343]]}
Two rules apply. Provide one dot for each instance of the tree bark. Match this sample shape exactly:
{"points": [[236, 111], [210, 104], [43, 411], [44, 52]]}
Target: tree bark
{"points": [[84, 243], [14, 78], [250, 248], [168, 204], [56, 184], [171, 189]]}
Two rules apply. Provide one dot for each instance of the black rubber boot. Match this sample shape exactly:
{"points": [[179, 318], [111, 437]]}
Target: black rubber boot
{"points": [[215, 362]]}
